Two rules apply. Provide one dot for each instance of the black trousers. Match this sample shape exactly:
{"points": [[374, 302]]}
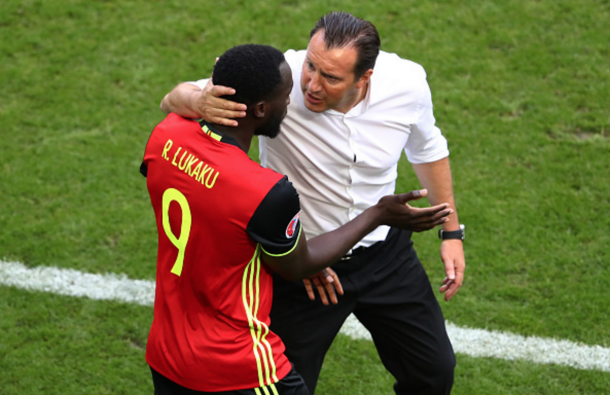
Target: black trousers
{"points": [[389, 292], [292, 384]]}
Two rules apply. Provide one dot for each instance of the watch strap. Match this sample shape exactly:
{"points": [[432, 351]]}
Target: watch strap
{"points": [[453, 234]]}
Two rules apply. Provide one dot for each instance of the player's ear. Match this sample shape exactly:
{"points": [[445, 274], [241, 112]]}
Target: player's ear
{"points": [[259, 109]]}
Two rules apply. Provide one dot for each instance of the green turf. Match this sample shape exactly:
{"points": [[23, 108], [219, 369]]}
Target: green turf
{"points": [[63, 345], [520, 90]]}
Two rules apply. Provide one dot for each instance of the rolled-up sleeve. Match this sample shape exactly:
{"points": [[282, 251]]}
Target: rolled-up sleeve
{"points": [[200, 83], [426, 143]]}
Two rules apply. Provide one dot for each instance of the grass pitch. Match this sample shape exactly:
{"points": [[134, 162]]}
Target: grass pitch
{"points": [[520, 90]]}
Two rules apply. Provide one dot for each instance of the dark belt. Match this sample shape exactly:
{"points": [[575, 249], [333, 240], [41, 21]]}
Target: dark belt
{"points": [[353, 253]]}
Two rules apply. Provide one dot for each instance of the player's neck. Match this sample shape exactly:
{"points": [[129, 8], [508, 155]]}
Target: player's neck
{"points": [[242, 134]]}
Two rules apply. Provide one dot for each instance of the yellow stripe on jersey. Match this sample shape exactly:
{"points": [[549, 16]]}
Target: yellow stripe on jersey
{"points": [[287, 252], [207, 131], [247, 286], [261, 349], [265, 327]]}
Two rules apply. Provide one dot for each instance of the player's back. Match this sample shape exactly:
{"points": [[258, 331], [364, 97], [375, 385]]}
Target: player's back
{"points": [[213, 294]]}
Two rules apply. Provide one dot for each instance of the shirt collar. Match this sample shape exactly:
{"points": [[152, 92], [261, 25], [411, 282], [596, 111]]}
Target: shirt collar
{"points": [[216, 134]]}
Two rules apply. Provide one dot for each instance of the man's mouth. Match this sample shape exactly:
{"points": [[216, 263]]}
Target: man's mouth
{"points": [[312, 98]]}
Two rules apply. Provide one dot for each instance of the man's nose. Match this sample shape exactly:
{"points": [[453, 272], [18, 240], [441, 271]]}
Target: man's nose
{"points": [[314, 83]]}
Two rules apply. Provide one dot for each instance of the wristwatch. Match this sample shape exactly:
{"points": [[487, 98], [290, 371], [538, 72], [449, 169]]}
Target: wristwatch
{"points": [[454, 234]]}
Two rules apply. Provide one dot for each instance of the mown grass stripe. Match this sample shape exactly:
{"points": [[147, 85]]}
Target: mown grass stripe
{"points": [[473, 342]]}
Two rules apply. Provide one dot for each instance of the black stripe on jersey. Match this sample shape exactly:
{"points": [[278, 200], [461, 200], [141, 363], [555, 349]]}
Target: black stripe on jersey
{"points": [[273, 216]]}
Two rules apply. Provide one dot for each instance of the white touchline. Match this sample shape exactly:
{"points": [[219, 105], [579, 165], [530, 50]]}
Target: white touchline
{"points": [[473, 342], [505, 345]]}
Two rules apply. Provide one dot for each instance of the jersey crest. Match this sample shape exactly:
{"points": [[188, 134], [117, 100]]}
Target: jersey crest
{"points": [[292, 226]]}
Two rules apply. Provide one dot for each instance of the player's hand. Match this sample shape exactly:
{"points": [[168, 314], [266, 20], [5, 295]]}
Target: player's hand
{"points": [[452, 255], [215, 109], [325, 281], [397, 212]]}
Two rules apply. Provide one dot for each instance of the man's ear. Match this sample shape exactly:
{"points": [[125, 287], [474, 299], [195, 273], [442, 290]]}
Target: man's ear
{"points": [[259, 109], [364, 79]]}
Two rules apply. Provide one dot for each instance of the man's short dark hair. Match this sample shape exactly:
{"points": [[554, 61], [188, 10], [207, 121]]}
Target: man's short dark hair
{"points": [[252, 70], [342, 29]]}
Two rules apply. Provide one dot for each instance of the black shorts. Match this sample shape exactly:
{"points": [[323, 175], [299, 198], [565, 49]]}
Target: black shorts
{"points": [[292, 384]]}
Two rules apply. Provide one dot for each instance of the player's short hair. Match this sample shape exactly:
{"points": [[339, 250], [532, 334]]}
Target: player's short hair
{"points": [[253, 70], [342, 29]]}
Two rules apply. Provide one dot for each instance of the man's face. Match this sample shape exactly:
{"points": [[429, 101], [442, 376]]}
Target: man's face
{"points": [[328, 79], [278, 104]]}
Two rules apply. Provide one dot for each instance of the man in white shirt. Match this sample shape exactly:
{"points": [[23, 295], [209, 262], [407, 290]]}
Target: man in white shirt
{"points": [[340, 144]]}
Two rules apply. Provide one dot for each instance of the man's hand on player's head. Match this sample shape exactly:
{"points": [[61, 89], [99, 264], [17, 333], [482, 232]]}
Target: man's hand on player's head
{"points": [[214, 109]]}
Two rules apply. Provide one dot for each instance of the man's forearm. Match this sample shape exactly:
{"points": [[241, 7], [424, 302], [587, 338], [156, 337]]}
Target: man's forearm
{"points": [[436, 178], [181, 100]]}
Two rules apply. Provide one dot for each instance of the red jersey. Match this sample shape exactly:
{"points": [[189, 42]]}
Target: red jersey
{"points": [[212, 204]]}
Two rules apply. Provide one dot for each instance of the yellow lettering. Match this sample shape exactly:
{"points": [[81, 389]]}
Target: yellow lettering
{"points": [[188, 169], [175, 155], [207, 180], [168, 145], [169, 196], [197, 170], [206, 168], [201, 172], [180, 165]]}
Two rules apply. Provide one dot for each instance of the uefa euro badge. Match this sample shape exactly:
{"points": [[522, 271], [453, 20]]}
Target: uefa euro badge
{"points": [[292, 226]]}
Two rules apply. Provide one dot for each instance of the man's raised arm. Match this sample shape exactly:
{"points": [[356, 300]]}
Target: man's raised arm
{"points": [[196, 100]]}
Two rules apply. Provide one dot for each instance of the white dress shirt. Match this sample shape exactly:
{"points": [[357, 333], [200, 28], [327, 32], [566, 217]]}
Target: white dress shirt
{"points": [[341, 164]]}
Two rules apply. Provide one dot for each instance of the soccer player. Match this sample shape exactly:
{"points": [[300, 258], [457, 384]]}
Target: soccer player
{"points": [[225, 223], [353, 110]]}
